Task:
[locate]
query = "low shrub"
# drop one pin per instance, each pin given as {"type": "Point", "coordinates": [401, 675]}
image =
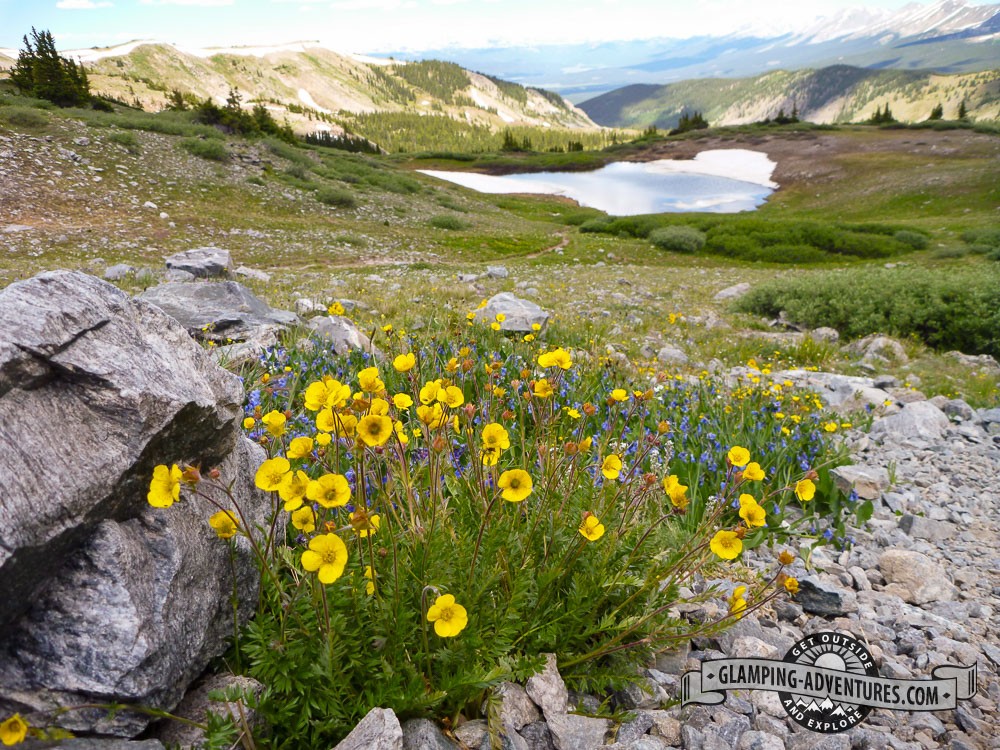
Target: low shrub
{"type": "Point", "coordinates": [126, 139]}
{"type": "Point", "coordinates": [213, 150]}
{"type": "Point", "coordinates": [332, 196]}
{"type": "Point", "coordinates": [440, 523]}
{"type": "Point", "coordinates": [446, 221]}
{"type": "Point", "coordinates": [595, 225]}
{"type": "Point", "coordinates": [959, 309]}
{"type": "Point", "coordinates": [680, 239]}
{"type": "Point", "coordinates": [916, 240]}
{"type": "Point", "coordinates": [27, 118]}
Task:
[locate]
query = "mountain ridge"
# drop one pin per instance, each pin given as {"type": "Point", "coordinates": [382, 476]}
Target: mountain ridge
{"type": "Point", "coordinates": [834, 94]}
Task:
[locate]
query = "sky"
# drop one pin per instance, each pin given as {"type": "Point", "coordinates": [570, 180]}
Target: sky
{"type": "Point", "coordinates": [399, 25]}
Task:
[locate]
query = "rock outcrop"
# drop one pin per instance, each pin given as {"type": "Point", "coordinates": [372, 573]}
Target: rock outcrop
{"type": "Point", "coordinates": [107, 599]}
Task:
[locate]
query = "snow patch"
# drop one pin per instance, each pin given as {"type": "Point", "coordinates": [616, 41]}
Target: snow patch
{"type": "Point", "coordinates": [306, 98]}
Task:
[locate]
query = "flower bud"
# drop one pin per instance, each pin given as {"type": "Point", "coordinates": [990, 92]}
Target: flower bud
{"type": "Point", "coordinates": [191, 475]}
{"type": "Point", "coordinates": [571, 448]}
{"type": "Point", "coordinates": [214, 473]}
{"type": "Point", "coordinates": [439, 444]}
{"type": "Point", "coordinates": [589, 409]}
{"type": "Point", "coordinates": [663, 427]}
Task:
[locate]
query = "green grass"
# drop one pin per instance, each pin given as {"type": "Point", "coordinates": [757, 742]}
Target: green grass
{"type": "Point", "coordinates": [212, 150]}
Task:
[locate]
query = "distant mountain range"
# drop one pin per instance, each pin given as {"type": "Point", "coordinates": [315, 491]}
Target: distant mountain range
{"type": "Point", "coordinates": [947, 37]}
{"type": "Point", "coordinates": [838, 93]}
{"type": "Point", "coordinates": [305, 82]}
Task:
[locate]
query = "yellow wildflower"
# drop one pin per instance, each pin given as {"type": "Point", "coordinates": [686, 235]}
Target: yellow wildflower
{"type": "Point", "coordinates": [330, 490]}
{"type": "Point", "coordinates": [374, 429]}
{"type": "Point", "coordinates": [452, 396]}
{"type": "Point", "coordinates": [335, 309]}
{"type": "Point", "coordinates": [165, 486]}
{"type": "Point", "coordinates": [293, 489]}
{"type": "Point", "coordinates": [328, 393]}
{"type": "Point", "coordinates": [591, 527]}
{"type": "Point", "coordinates": [619, 395]}
{"type": "Point", "coordinates": [248, 423]}
{"type": "Point", "coordinates": [271, 473]}
{"type": "Point", "coordinates": [300, 447]}
{"type": "Point", "coordinates": [516, 485]}
{"type": "Point", "coordinates": [404, 362]}
{"type": "Point", "coordinates": [739, 456]}
{"type": "Point", "coordinates": [556, 358]}
{"type": "Point", "coordinates": [433, 416]}
{"type": "Point", "coordinates": [542, 389]}
{"type": "Point", "coordinates": [402, 401]}
{"type": "Point", "coordinates": [753, 472]}
{"type": "Point", "coordinates": [13, 731]}
{"type": "Point", "coordinates": [369, 380]}
{"type": "Point", "coordinates": [676, 491]}
{"type": "Point", "coordinates": [369, 580]}
{"type": "Point", "coordinates": [611, 466]}
{"type": "Point", "coordinates": [365, 524]}
{"type": "Point", "coordinates": [224, 523]}
{"type": "Point", "coordinates": [327, 556]}
{"type": "Point", "coordinates": [449, 617]}
{"type": "Point", "coordinates": [791, 586]}
{"type": "Point", "coordinates": [726, 544]}
{"type": "Point", "coordinates": [274, 423]}
{"type": "Point", "coordinates": [805, 490]}
{"type": "Point", "coordinates": [304, 519]}
{"type": "Point", "coordinates": [428, 394]}
{"type": "Point", "coordinates": [751, 512]}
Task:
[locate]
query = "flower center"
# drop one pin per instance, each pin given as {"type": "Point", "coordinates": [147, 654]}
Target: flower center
{"type": "Point", "coordinates": [329, 557]}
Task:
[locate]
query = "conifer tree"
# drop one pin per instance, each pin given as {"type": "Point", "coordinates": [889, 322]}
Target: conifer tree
{"type": "Point", "coordinates": [937, 113]}
{"type": "Point", "coordinates": [40, 71]}
{"type": "Point", "coordinates": [963, 113]}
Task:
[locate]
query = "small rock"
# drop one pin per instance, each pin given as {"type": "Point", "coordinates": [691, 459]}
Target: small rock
{"type": "Point", "coordinates": [573, 732]}
{"type": "Point", "coordinates": [520, 314]}
{"type": "Point", "coordinates": [201, 261]}
{"type": "Point", "coordinates": [671, 355]}
{"type": "Point", "coordinates": [868, 481]}
{"type": "Point", "coordinates": [516, 708]}
{"type": "Point", "coordinates": [537, 736]}
{"type": "Point", "coordinates": [253, 273]}
{"type": "Point", "coordinates": [548, 690]}
{"type": "Point", "coordinates": [497, 272]}
{"type": "Point", "coordinates": [914, 577]}
{"type": "Point", "coordinates": [633, 729]}
{"type": "Point", "coordinates": [305, 306]}
{"type": "Point", "coordinates": [118, 272]}
{"type": "Point", "coordinates": [920, 527]}
{"type": "Point", "coordinates": [829, 335]}
{"type": "Point", "coordinates": [732, 292]}
{"type": "Point", "coordinates": [473, 733]}
{"type": "Point", "coordinates": [823, 598]}
{"type": "Point", "coordinates": [755, 740]}
{"type": "Point", "coordinates": [379, 730]}
{"type": "Point", "coordinates": [342, 333]}
{"type": "Point", "coordinates": [423, 734]}
{"type": "Point", "coordinates": [150, 205]}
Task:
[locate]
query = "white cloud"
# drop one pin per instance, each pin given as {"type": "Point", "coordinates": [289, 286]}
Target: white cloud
{"type": "Point", "coordinates": [367, 4]}
{"type": "Point", "coordinates": [207, 3]}
{"type": "Point", "coordinates": [81, 4]}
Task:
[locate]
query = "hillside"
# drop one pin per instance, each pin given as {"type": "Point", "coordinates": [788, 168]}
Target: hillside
{"type": "Point", "coordinates": [838, 93]}
{"type": "Point", "coordinates": [312, 85]}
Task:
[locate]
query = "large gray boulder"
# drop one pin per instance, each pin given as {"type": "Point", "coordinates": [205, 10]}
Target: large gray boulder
{"type": "Point", "coordinates": [920, 420]}
{"type": "Point", "coordinates": [520, 314]}
{"type": "Point", "coordinates": [201, 261]}
{"type": "Point", "coordinates": [107, 599]}
{"type": "Point", "coordinates": [342, 333]}
{"type": "Point", "coordinates": [220, 311]}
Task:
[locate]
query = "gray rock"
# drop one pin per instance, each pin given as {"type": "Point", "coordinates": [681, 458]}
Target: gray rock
{"type": "Point", "coordinates": [879, 348]}
{"type": "Point", "coordinates": [175, 274]}
{"type": "Point", "coordinates": [516, 708]}
{"type": "Point", "coordinates": [423, 734]}
{"type": "Point", "coordinates": [983, 362]}
{"type": "Point", "coordinates": [914, 577]}
{"type": "Point", "coordinates": [197, 704]}
{"type": "Point", "coordinates": [811, 741]}
{"type": "Point", "coordinates": [634, 728]}
{"type": "Point", "coordinates": [573, 732]}
{"type": "Point", "coordinates": [920, 420]}
{"type": "Point", "coordinates": [342, 333]}
{"type": "Point", "coordinates": [118, 271]}
{"type": "Point", "coordinates": [990, 420]}
{"type": "Point", "coordinates": [497, 272]}
{"type": "Point", "coordinates": [203, 262]}
{"type": "Point", "coordinates": [252, 273]}
{"type": "Point", "coordinates": [473, 733]}
{"type": "Point", "coordinates": [732, 292]}
{"type": "Point", "coordinates": [305, 306]}
{"type": "Point", "coordinates": [548, 690]}
{"type": "Point", "coordinates": [520, 314]}
{"type": "Point", "coordinates": [379, 730]}
{"type": "Point", "coordinates": [666, 725]}
{"type": "Point", "coordinates": [956, 408]}
{"type": "Point", "coordinates": [824, 598]}
{"type": "Point", "coordinates": [755, 740]}
{"type": "Point", "coordinates": [749, 647]}
{"type": "Point", "coordinates": [150, 205]}
{"type": "Point", "coordinates": [646, 742]}
{"type": "Point", "coordinates": [537, 736]}
{"type": "Point", "coordinates": [671, 355]}
{"type": "Point", "coordinates": [217, 310]}
{"type": "Point", "coordinates": [920, 527]}
{"type": "Point", "coordinates": [643, 694]}
{"type": "Point", "coordinates": [106, 598]}
{"type": "Point", "coordinates": [868, 481]}
{"type": "Point", "coordinates": [829, 335]}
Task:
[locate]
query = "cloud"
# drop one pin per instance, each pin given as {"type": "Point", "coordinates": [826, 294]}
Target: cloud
{"type": "Point", "coordinates": [366, 4]}
{"type": "Point", "coordinates": [207, 3]}
{"type": "Point", "coordinates": [81, 4]}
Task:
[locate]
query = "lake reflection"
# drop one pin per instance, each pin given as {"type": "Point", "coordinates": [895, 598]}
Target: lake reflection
{"type": "Point", "coordinates": [721, 181]}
